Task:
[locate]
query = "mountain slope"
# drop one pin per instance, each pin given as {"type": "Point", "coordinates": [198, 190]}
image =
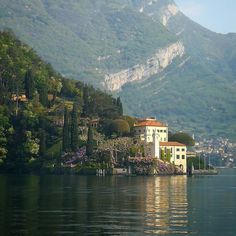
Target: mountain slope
{"type": "Point", "coordinates": [198, 93]}
{"type": "Point", "coordinates": [127, 47]}
{"type": "Point", "coordinates": [85, 37]}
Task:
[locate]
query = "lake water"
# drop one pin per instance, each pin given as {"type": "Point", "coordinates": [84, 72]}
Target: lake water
{"type": "Point", "coordinates": [80, 205]}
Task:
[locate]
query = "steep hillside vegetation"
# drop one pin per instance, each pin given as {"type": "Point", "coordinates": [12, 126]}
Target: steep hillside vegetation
{"type": "Point", "coordinates": [81, 38]}
{"type": "Point", "coordinates": [33, 102]}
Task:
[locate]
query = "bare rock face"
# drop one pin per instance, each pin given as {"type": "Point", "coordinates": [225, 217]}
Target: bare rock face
{"type": "Point", "coordinates": [171, 10]}
{"type": "Point", "coordinates": [154, 65]}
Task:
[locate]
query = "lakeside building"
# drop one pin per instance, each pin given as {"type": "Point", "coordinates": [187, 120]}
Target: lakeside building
{"type": "Point", "coordinates": [144, 130]}
{"type": "Point", "coordinates": [155, 135]}
{"type": "Point", "coordinates": [177, 152]}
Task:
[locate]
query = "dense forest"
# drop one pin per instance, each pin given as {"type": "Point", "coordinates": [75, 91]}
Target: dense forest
{"type": "Point", "coordinates": [44, 116]}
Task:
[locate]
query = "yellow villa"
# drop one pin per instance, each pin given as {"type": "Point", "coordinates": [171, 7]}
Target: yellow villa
{"type": "Point", "coordinates": [177, 153]}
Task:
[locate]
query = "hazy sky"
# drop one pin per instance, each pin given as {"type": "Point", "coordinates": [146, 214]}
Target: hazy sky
{"type": "Point", "coordinates": [216, 15]}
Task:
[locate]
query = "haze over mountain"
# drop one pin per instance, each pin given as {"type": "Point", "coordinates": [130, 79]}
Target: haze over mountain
{"type": "Point", "coordinates": [159, 61]}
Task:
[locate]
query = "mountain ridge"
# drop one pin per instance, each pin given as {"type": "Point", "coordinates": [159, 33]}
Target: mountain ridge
{"type": "Point", "coordinates": [87, 40]}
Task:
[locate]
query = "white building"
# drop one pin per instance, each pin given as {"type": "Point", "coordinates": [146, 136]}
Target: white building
{"type": "Point", "coordinates": [177, 152]}
{"type": "Point", "coordinates": [144, 130]}
{"type": "Point", "coordinates": [155, 133]}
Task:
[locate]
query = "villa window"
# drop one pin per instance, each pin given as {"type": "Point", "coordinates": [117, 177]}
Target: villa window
{"type": "Point", "coordinates": [177, 149]}
{"type": "Point", "coordinates": [164, 131]}
{"type": "Point", "coordinates": [183, 149]}
{"type": "Point", "coordinates": [177, 157]}
{"type": "Point", "coordinates": [183, 156]}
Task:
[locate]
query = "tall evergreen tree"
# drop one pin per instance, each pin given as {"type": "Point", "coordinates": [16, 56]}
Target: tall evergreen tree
{"type": "Point", "coordinates": [42, 144]}
{"type": "Point", "coordinates": [74, 128]}
{"type": "Point", "coordinates": [85, 111]}
{"type": "Point", "coordinates": [29, 84]}
{"type": "Point", "coordinates": [89, 145]}
{"type": "Point", "coordinates": [43, 95]}
{"type": "Point", "coordinates": [120, 106]}
{"type": "Point", "coordinates": [66, 132]}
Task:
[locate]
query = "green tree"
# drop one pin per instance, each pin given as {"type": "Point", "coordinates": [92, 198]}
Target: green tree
{"type": "Point", "coordinates": [182, 138]}
{"type": "Point", "coordinates": [120, 106]}
{"type": "Point", "coordinates": [66, 131]}
{"type": "Point", "coordinates": [85, 111]}
{"type": "Point", "coordinates": [4, 131]}
{"type": "Point", "coordinates": [120, 127]}
{"type": "Point", "coordinates": [29, 84]}
{"type": "Point", "coordinates": [3, 142]}
{"type": "Point", "coordinates": [31, 146]}
{"type": "Point", "coordinates": [74, 128]}
{"type": "Point", "coordinates": [162, 154]}
{"type": "Point", "coordinates": [43, 95]}
{"type": "Point", "coordinates": [168, 155]}
{"type": "Point", "coordinates": [90, 142]}
{"type": "Point", "coordinates": [42, 143]}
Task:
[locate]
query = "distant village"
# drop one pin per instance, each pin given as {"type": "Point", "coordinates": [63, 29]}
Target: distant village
{"type": "Point", "coordinates": [217, 151]}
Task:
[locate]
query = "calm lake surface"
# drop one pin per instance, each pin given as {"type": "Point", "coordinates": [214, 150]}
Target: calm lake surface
{"type": "Point", "coordinates": [80, 205]}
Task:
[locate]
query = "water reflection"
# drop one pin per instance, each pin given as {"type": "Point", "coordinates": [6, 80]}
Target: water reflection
{"type": "Point", "coordinates": [80, 205]}
{"type": "Point", "coordinates": [166, 205]}
{"type": "Point", "coordinates": [52, 205]}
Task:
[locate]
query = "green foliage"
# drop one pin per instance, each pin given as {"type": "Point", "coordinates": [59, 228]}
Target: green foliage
{"type": "Point", "coordinates": [90, 142]}
{"type": "Point", "coordinates": [136, 151]}
{"type": "Point", "coordinates": [42, 144]}
{"type": "Point", "coordinates": [120, 106]}
{"type": "Point", "coordinates": [162, 154]}
{"type": "Point", "coordinates": [165, 154]}
{"type": "Point", "coordinates": [99, 104]}
{"type": "Point", "coordinates": [182, 138]}
{"type": "Point", "coordinates": [112, 38]}
{"type": "Point", "coordinates": [168, 155]}
{"type": "Point", "coordinates": [4, 132]}
{"type": "Point", "coordinates": [43, 95]}
{"type": "Point", "coordinates": [29, 85]}
{"type": "Point", "coordinates": [66, 131]}
{"type": "Point", "coordinates": [36, 130]}
{"type": "Point", "coordinates": [86, 99]}
{"type": "Point", "coordinates": [74, 128]}
{"type": "Point", "coordinates": [119, 127]}
{"type": "Point", "coordinates": [195, 162]}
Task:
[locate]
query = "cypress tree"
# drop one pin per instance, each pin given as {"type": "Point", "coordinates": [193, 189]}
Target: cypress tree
{"type": "Point", "coordinates": [43, 96]}
{"type": "Point", "coordinates": [89, 145]}
{"type": "Point", "coordinates": [66, 132]}
{"type": "Point", "coordinates": [42, 147]}
{"type": "Point", "coordinates": [74, 128]}
{"type": "Point", "coordinates": [120, 106]}
{"type": "Point", "coordinates": [85, 101]}
{"type": "Point", "coordinates": [29, 84]}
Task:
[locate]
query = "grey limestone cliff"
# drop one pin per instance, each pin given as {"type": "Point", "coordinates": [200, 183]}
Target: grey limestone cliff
{"type": "Point", "coordinates": [154, 65]}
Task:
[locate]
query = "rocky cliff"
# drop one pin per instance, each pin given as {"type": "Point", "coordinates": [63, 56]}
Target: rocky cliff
{"type": "Point", "coordinates": [154, 65]}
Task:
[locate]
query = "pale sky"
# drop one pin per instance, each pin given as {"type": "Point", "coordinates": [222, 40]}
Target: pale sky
{"type": "Point", "coordinates": [216, 15]}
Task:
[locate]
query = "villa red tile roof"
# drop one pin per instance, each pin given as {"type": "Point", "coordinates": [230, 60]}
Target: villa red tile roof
{"type": "Point", "coordinates": [155, 123]}
{"type": "Point", "coordinates": [173, 144]}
